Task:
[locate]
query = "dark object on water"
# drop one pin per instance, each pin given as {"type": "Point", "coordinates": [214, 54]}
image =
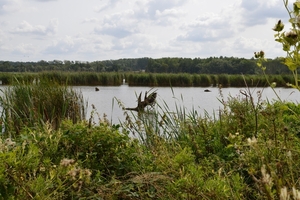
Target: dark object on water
{"type": "Point", "coordinates": [207, 90]}
{"type": "Point", "coordinates": [148, 101]}
{"type": "Point", "coordinates": [96, 89]}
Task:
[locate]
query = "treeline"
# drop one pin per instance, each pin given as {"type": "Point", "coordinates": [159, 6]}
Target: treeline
{"type": "Point", "coordinates": [212, 65]}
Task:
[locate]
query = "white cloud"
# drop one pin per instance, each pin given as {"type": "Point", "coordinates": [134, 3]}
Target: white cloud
{"type": "Point", "coordinates": [118, 25]}
{"type": "Point", "coordinates": [90, 20]}
{"type": "Point", "coordinates": [93, 30]}
{"type": "Point", "coordinates": [108, 5]}
{"type": "Point", "coordinates": [257, 12]}
{"type": "Point", "coordinates": [24, 49]}
{"type": "Point", "coordinates": [210, 27]}
{"type": "Point", "coordinates": [8, 6]}
{"type": "Point", "coordinates": [66, 45]}
{"type": "Point", "coordinates": [26, 28]}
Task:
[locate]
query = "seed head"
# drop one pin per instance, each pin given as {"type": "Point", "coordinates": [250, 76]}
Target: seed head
{"type": "Point", "coordinates": [66, 162]}
{"type": "Point", "coordinates": [278, 26]}
{"type": "Point", "coordinates": [259, 54]}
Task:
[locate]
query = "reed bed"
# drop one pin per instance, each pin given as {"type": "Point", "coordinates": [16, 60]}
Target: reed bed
{"type": "Point", "coordinates": [148, 79]}
{"type": "Point", "coordinates": [35, 104]}
{"type": "Point", "coordinates": [69, 78]}
{"type": "Point", "coordinates": [204, 80]}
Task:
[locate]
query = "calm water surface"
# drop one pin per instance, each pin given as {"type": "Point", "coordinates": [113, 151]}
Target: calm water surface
{"type": "Point", "coordinates": [190, 98]}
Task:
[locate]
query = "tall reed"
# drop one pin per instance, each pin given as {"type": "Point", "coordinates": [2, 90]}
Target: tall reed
{"type": "Point", "coordinates": [34, 104]}
{"type": "Point", "coordinates": [148, 79]}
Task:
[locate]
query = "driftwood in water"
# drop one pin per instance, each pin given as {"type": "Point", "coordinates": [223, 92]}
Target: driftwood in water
{"type": "Point", "coordinates": [148, 101]}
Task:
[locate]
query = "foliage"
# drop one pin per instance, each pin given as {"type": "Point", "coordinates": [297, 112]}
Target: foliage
{"type": "Point", "coordinates": [289, 41]}
{"type": "Point", "coordinates": [250, 150]}
{"type": "Point", "coordinates": [211, 65]}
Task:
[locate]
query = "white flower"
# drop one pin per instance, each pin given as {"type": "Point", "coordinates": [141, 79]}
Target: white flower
{"type": "Point", "coordinates": [252, 141]}
{"type": "Point", "coordinates": [296, 193]}
{"type": "Point", "coordinates": [266, 178]}
{"type": "Point", "coordinates": [289, 154]}
{"type": "Point", "coordinates": [9, 142]}
{"type": "Point", "coordinates": [284, 194]}
{"type": "Point", "coordinates": [66, 162]}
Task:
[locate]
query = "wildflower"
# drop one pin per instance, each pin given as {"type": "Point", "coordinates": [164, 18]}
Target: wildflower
{"type": "Point", "coordinates": [296, 193]}
{"type": "Point", "coordinates": [259, 54]}
{"type": "Point", "coordinates": [266, 178]}
{"type": "Point", "coordinates": [291, 34]}
{"type": "Point", "coordinates": [284, 194]}
{"type": "Point", "coordinates": [87, 172]}
{"type": "Point", "coordinates": [289, 154]}
{"type": "Point", "coordinates": [42, 169]}
{"type": "Point", "coordinates": [291, 37]}
{"type": "Point", "coordinates": [73, 173]}
{"type": "Point", "coordinates": [9, 142]}
{"type": "Point", "coordinates": [66, 162]}
{"type": "Point", "coordinates": [231, 136]}
{"type": "Point", "coordinates": [279, 26]}
{"type": "Point", "coordinates": [252, 141]}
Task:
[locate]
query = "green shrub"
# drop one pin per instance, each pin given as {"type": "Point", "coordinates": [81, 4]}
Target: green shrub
{"type": "Point", "coordinates": [101, 148]}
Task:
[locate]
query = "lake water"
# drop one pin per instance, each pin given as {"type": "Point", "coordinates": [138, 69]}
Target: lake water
{"type": "Point", "coordinates": [190, 98]}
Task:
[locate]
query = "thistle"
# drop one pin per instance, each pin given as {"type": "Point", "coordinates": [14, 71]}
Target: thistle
{"type": "Point", "coordinates": [278, 26]}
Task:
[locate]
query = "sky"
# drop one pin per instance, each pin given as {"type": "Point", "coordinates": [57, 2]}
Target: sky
{"type": "Point", "coordinates": [95, 30]}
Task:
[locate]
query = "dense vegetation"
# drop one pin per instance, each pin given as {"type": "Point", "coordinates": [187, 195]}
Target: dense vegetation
{"type": "Point", "coordinates": [212, 65]}
{"type": "Point", "coordinates": [249, 151]}
{"type": "Point", "coordinates": [147, 79]}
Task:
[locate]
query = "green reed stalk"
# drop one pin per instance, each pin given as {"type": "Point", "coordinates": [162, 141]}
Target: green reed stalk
{"type": "Point", "coordinates": [31, 105]}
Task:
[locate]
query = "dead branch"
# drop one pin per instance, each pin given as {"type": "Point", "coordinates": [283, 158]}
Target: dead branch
{"type": "Point", "coordinates": [148, 101]}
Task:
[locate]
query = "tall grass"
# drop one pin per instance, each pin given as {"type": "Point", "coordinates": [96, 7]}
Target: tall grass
{"type": "Point", "coordinates": [34, 104]}
{"type": "Point", "coordinates": [252, 139]}
{"type": "Point", "coordinates": [147, 79]}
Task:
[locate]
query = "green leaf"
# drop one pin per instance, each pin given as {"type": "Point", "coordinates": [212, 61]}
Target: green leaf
{"type": "Point", "coordinates": [297, 4]}
{"type": "Point", "coordinates": [289, 62]}
{"type": "Point", "coordinates": [286, 47]}
{"type": "Point", "coordinates": [278, 40]}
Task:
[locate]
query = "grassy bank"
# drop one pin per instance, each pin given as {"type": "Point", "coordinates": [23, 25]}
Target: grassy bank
{"type": "Point", "coordinates": [250, 151]}
{"type": "Point", "coordinates": [147, 79]}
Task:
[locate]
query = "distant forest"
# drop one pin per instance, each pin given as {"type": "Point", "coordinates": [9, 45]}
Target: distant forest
{"type": "Point", "coordinates": [212, 65]}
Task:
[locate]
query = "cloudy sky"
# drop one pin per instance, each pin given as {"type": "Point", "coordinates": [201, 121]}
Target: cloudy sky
{"type": "Point", "coordinates": [90, 30]}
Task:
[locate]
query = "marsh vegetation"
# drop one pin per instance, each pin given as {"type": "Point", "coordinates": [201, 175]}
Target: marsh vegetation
{"type": "Point", "coordinates": [148, 79]}
{"type": "Point", "coordinates": [250, 151]}
{"type": "Point", "coordinates": [49, 151]}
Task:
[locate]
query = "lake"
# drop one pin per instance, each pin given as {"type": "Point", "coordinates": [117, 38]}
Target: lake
{"type": "Point", "coordinates": [190, 98]}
